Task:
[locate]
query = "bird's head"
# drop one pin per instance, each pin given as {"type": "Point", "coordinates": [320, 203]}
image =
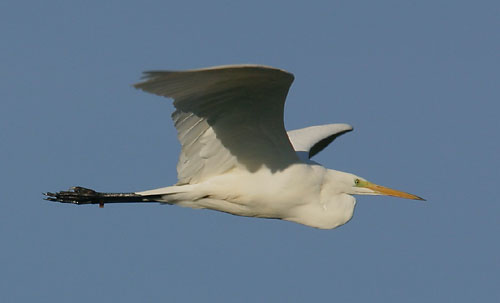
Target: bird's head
{"type": "Point", "coordinates": [354, 185]}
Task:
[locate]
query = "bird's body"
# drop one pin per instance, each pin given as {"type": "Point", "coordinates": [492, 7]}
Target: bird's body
{"type": "Point", "coordinates": [299, 193]}
{"type": "Point", "coordinates": [236, 156]}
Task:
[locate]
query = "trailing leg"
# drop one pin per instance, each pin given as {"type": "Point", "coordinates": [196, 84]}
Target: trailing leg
{"type": "Point", "coordinates": [81, 195]}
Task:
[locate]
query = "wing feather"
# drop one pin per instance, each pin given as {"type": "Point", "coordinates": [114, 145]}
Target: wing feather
{"type": "Point", "coordinates": [309, 141]}
{"type": "Point", "coordinates": [226, 117]}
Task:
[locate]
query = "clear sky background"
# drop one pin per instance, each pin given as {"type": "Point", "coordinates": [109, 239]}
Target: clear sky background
{"type": "Point", "coordinates": [419, 81]}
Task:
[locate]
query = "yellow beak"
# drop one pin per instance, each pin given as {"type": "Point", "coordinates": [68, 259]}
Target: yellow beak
{"type": "Point", "coordinates": [391, 192]}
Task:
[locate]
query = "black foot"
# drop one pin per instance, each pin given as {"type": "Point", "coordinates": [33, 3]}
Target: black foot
{"type": "Point", "coordinates": [75, 195]}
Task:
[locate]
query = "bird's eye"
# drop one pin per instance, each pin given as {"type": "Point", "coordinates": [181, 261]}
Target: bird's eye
{"type": "Point", "coordinates": [356, 181]}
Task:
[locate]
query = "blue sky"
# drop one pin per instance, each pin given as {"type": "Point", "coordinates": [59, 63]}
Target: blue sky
{"type": "Point", "coordinates": [417, 79]}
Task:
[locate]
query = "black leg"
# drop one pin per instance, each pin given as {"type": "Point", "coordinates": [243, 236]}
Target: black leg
{"type": "Point", "coordinates": [81, 195]}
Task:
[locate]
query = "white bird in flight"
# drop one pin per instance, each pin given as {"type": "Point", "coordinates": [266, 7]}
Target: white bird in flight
{"type": "Point", "coordinates": [238, 158]}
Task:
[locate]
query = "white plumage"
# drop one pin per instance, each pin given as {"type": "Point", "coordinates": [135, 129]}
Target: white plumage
{"type": "Point", "coordinates": [236, 156]}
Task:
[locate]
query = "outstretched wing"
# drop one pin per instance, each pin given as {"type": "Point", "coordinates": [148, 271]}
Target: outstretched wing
{"type": "Point", "coordinates": [309, 141]}
{"type": "Point", "coordinates": [226, 117]}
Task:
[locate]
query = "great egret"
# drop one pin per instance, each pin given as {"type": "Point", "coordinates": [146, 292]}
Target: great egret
{"type": "Point", "coordinates": [236, 155]}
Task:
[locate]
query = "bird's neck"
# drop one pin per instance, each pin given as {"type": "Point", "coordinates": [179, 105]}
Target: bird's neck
{"type": "Point", "coordinates": [332, 207]}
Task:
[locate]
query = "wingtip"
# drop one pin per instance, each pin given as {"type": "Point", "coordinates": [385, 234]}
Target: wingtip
{"type": "Point", "coordinates": [347, 127]}
{"type": "Point", "coordinates": [145, 77]}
